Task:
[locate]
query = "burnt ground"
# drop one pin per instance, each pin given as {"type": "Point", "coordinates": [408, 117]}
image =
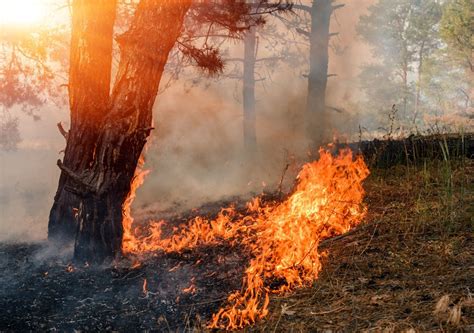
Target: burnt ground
{"type": "Point", "coordinates": [52, 294]}
{"type": "Point", "coordinates": [389, 274]}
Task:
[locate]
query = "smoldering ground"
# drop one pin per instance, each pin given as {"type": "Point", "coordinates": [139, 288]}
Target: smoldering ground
{"type": "Point", "coordinates": [43, 291]}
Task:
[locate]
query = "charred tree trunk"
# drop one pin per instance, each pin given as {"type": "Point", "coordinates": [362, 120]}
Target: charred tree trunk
{"type": "Point", "coordinates": [317, 118]}
{"type": "Point", "coordinates": [103, 183]}
{"type": "Point", "coordinates": [248, 92]}
{"type": "Point", "coordinates": [89, 85]}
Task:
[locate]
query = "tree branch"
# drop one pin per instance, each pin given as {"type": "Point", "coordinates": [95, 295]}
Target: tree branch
{"type": "Point", "coordinates": [335, 109]}
{"type": "Point", "coordinates": [302, 7]}
{"type": "Point", "coordinates": [79, 179]}
{"type": "Point", "coordinates": [336, 7]}
{"type": "Point", "coordinates": [302, 32]}
{"type": "Point", "coordinates": [63, 132]}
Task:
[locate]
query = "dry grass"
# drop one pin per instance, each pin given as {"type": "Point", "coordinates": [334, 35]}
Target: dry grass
{"type": "Point", "coordinates": [410, 268]}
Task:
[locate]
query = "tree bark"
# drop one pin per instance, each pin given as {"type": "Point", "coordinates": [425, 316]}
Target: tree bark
{"type": "Point", "coordinates": [248, 92]}
{"type": "Point", "coordinates": [317, 118]}
{"type": "Point", "coordinates": [144, 52]}
{"type": "Point", "coordinates": [89, 85]}
{"type": "Point", "coordinates": [108, 132]}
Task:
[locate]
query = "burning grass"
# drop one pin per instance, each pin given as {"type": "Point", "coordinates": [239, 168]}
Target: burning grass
{"type": "Point", "coordinates": [282, 238]}
{"type": "Point", "coordinates": [408, 269]}
{"type": "Point", "coordinates": [393, 272]}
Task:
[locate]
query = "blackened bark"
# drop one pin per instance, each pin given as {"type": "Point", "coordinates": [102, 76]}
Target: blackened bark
{"type": "Point", "coordinates": [106, 183]}
{"type": "Point", "coordinates": [317, 118]}
{"type": "Point", "coordinates": [89, 85]}
{"type": "Point", "coordinates": [248, 92]}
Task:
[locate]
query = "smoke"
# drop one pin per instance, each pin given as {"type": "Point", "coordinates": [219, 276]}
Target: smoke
{"type": "Point", "coordinates": [196, 153]}
{"type": "Point", "coordinates": [26, 191]}
{"type": "Point", "coordinates": [347, 54]}
{"type": "Point", "coordinates": [28, 177]}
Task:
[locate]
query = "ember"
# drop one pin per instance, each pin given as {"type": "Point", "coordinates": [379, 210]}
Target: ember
{"type": "Point", "coordinates": [282, 237]}
{"type": "Point", "coordinates": [191, 289]}
{"type": "Point", "coordinates": [144, 288]}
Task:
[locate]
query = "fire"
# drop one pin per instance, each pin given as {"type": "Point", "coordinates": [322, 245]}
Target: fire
{"type": "Point", "coordinates": [282, 237]}
{"type": "Point", "coordinates": [129, 238]}
{"type": "Point", "coordinates": [144, 288]}
{"type": "Point", "coordinates": [191, 289]}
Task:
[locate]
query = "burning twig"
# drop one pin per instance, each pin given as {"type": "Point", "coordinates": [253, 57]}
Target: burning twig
{"type": "Point", "coordinates": [280, 185]}
{"type": "Point", "coordinates": [191, 289]}
{"type": "Point", "coordinates": [144, 288]}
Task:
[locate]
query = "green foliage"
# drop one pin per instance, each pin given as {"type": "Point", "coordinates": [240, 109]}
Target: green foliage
{"type": "Point", "coordinates": [445, 86]}
{"type": "Point", "coordinates": [457, 30]}
{"type": "Point", "coordinates": [447, 79]}
{"type": "Point", "coordinates": [413, 68]}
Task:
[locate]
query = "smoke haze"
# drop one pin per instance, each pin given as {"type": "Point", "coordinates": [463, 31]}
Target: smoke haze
{"type": "Point", "coordinates": [196, 151]}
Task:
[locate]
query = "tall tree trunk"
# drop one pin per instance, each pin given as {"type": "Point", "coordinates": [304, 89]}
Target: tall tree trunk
{"type": "Point", "coordinates": [418, 84]}
{"type": "Point", "coordinates": [248, 92]}
{"type": "Point", "coordinates": [89, 86]}
{"type": "Point", "coordinates": [317, 118]}
{"type": "Point", "coordinates": [404, 74]}
{"type": "Point", "coordinates": [104, 183]}
{"type": "Point", "coordinates": [405, 92]}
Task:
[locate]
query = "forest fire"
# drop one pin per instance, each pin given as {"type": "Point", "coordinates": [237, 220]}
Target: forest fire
{"type": "Point", "coordinates": [282, 237]}
{"type": "Point", "coordinates": [233, 94]}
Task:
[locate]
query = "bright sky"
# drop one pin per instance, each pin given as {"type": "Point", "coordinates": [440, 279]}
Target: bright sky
{"type": "Point", "coordinates": [22, 12]}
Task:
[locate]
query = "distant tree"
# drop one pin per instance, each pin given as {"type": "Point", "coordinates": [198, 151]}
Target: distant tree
{"type": "Point", "coordinates": [33, 62]}
{"type": "Point", "coordinates": [402, 34]}
{"type": "Point", "coordinates": [313, 23]}
{"type": "Point", "coordinates": [456, 30]}
{"type": "Point", "coordinates": [448, 79]}
{"type": "Point", "coordinates": [423, 34]}
{"type": "Point", "coordinates": [253, 67]}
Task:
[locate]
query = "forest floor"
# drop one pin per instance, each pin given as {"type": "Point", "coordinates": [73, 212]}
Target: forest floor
{"type": "Point", "coordinates": [408, 267]}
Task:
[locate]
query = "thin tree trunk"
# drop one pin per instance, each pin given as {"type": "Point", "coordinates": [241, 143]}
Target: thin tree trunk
{"type": "Point", "coordinates": [317, 118]}
{"type": "Point", "coordinates": [405, 82]}
{"type": "Point", "coordinates": [89, 85]}
{"type": "Point", "coordinates": [248, 92]}
{"type": "Point", "coordinates": [418, 85]}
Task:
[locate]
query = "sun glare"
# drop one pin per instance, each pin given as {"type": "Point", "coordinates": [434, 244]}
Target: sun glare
{"type": "Point", "coordinates": [22, 12]}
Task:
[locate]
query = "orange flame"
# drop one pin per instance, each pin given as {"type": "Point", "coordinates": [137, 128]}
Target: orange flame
{"type": "Point", "coordinates": [144, 287]}
{"type": "Point", "coordinates": [129, 238]}
{"type": "Point", "coordinates": [191, 289]}
{"type": "Point", "coordinates": [283, 238]}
